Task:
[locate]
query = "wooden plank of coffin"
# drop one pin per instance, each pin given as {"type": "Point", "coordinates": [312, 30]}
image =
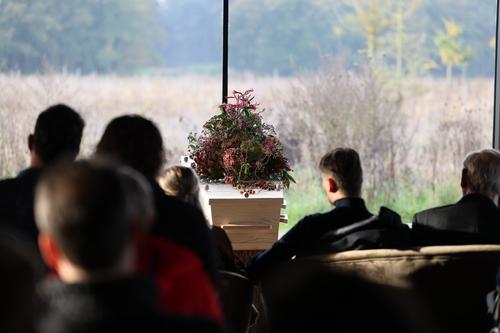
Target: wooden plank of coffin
{"type": "Point", "coordinates": [253, 211]}
{"type": "Point", "coordinates": [251, 236]}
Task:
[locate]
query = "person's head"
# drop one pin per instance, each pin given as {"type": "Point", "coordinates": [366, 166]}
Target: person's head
{"type": "Point", "coordinates": [181, 182]}
{"type": "Point", "coordinates": [80, 210]}
{"type": "Point", "coordinates": [57, 135]}
{"type": "Point", "coordinates": [134, 141]}
{"type": "Point", "coordinates": [341, 173]}
{"type": "Point", "coordinates": [481, 173]}
{"type": "Point", "coordinates": [140, 202]}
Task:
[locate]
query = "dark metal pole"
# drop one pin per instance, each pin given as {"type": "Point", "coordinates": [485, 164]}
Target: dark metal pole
{"type": "Point", "coordinates": [496, 112]}
{"type": "Point", "coordinates": [225, 50]}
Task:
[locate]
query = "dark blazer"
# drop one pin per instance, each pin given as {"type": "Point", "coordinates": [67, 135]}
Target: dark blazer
{"type": "Point", "coordinates": [16, 204]}
{"type": "Point", "coordinates": [475, 219]}
{"type": "Point", "coordinates": [349, 226]}
{"type": "Point", "coordinates": [184, 224]}
{"type": "Point", "coordinates": [121, 305]}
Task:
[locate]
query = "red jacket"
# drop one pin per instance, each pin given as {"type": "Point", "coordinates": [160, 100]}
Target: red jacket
{"type": "Point", "coordinates": [184, 286]}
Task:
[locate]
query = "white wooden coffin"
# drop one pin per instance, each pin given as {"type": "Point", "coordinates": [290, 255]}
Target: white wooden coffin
{"type": "Point", "coordinates": [251, 223]}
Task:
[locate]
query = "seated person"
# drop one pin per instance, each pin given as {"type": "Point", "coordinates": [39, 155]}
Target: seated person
{"type": "Point", "coordinates": [349, 226]}
{"type": "Point", "coordinates": [475, 218]}
{"type": "Point", "coordinates": [85, 236]}
{"type": "Point", "coordinates": [183, 285]}
{"type": "Point", "coordinates": [137, 143]}
{"type": "Point", "coordinates": [57, 136]}
{"type": "Point", "coordinates": [183, 183]}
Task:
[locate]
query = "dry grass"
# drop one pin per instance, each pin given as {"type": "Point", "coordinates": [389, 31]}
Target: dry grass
{"type": "Point", "coordinates": [180, 105]}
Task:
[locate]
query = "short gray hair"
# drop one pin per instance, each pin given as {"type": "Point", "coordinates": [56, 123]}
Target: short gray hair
{"type": "Point", "coordinates": [483, 171]}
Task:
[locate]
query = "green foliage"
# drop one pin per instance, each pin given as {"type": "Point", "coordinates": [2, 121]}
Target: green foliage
{"type": "Point", "coordinates": [452, 50]}
{"type": "Point", "coordinates": [79, 35]}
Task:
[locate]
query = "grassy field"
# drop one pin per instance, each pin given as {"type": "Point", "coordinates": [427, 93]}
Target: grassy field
{"type": "Point", "coordinates": [442, 122]}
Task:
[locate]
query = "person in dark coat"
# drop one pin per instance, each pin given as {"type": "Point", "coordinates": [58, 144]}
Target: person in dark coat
{"type": "Point", "coordinates": [475, 218]}
{"type": "Point", "coordinates": [183, 183]}
{"type": "Point", "coordinates": [57, 136]}
{"type": "Point", "coordinates": [86, 237]}
{"type": "Point", "coordinates": [136, 142]}
{"type": "Point", "coordinates": [349, 226]}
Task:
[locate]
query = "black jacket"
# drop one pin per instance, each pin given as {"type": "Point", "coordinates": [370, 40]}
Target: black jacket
{"type": "Point", "coordinates": [16, 204]}
{"type": "Point", "coordinates": [475, 219]}
{"type": "Point", "coordinates": [350, 226]}
{"type": "Point", "coordinates": [123, 305]}
{"type": "Point", "coordinates": [184, 224]}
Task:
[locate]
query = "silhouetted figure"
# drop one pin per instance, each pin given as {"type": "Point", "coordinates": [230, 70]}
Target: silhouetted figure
{"type": "Point", "coordinates": [86, 237]}
{"type": "Point", "coordinates": [183, 183]}
{"type": "Point", "coordinates": [184, 287]}
{"type": "Point", "coordinates": [136, 142]}
{"type": "Point", "coordinates": [57, 136]}
{"type": "Point", "coordinates": [349, 226]}
{"type": "Point", "coordinates": [475, 218]}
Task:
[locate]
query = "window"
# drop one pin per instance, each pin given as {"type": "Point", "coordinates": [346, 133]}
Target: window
{"type": "Point", "coordinates": [106, 58]}
{"type": "Point", "coordinates": [407, 83]}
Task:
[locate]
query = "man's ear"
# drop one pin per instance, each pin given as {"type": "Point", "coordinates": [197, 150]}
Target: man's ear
{"type": "Point", "coordinates": [49, 250]}
{"type": "Point", "coordinates": [333, 185]}
{"type": "Point", "coordinates": [31, 142]}
{"type": "Point", "coordinates": [463, 181]}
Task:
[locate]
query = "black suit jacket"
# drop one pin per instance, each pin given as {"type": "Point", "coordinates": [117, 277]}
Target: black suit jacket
{"type": "Point", "coordinates": [475, 219]}
{"type": "Point", "coordinates": [184, 224]}
{"type": "Point", "coordinates": [350, 226]}
{"type": "Point", "coordinates": [16, 204]}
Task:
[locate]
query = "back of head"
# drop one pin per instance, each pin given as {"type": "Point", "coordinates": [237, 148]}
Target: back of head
{"type": "Point", "coordinates": [139, 197]}
{"type": "Point", "coordinates": [18, 277]}
{"type": "Point", "coordinates": [345, 167]}
{"type": "Point", "coordinates": [482, 172]}
{"type": "Point", "coordinates": [82, 207]}
{"type": "Point", "coordinates": [181, 182]}
{"type": "Point", "coordinates": [134, 141]}
{"type": "Point", "coordinates": [58, 133]}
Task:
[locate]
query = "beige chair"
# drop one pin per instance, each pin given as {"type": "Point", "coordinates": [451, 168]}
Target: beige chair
{"type": "Point", "coordinates": [451, 280]}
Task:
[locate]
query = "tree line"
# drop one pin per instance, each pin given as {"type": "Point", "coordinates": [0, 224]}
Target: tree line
{"type": "Point", "coordinates": [409, 37]}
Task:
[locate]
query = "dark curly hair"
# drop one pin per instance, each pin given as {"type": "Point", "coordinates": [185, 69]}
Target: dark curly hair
{"type": "Point", "coordinates": [134, 141]}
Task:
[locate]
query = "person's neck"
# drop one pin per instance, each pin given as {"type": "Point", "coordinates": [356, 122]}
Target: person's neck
{"type": "Point", "coordinates": [492, 197]}
{"type": "Point", "coordinates": [36, 162]}
{"type": "Point", "coordinates": [70, 273]}
{"type": "Point", "coordinates": [334, 197]}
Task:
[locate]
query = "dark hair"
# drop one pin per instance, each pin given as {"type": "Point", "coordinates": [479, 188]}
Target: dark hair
{"type": "Point", "coordinates": [135, 141]}
{"type": "Point", "coordinates": [83, 208]}
{"type": "Point", "coordinates": [58, 133]}
{"type": "Point", "coordinates": [345, 167]}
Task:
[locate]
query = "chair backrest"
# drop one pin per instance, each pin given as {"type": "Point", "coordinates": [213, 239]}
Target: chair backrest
{"type": "Point", "coordinates": [236, 295]}
{"type": "Point", "coordinates": [452, 280]}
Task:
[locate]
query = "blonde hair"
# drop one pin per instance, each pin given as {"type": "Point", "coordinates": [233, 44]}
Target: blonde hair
{"type": "Point", "coordinates": [181, 182]}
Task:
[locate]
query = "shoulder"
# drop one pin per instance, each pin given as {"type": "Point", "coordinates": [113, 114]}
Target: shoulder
{"type": "Point", "coordinates": [424, 216]}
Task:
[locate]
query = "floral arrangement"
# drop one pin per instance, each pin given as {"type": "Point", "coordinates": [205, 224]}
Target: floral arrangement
{"type": "Point", "coordinates": [238, 148]}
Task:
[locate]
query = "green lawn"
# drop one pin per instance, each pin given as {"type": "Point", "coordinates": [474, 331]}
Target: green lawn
{"type": "Point", "coordinates": [307, 197]}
